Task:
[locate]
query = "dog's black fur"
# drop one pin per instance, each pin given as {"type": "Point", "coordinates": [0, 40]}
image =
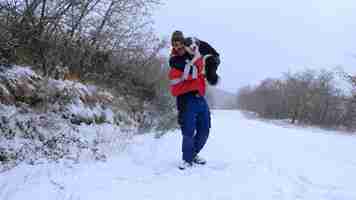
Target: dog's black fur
{"type": "Point", "coordinates": [211, 65]}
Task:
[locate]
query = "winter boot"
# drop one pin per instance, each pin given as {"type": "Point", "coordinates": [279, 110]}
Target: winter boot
{"type": "Point", "coordinates": [184, 165]}
{"type": "Point", "coordinates": [199, 160]}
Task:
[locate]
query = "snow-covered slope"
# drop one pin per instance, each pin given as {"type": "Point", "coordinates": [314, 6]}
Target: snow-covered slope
{"type": "Point", "coordinates": [247, 159]}
{"type": "Point", "coordinates": [44, 120]}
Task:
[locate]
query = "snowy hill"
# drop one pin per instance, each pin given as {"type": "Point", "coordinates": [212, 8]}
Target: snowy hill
{"type": "Point", "coordinates": [247, 159]}
{"type": "Point", "coordinates": [44, 120]}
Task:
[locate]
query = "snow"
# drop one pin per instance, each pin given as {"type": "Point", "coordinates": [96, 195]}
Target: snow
{"type": "Point", "coordinates": [9, 110]}
{"type": "Point", "coordinates": [19, 71]}
{"type": "Point", "coordinates": [247, 159]}
{"type": "Point", "coordinates": [69, 120]}
{"type": "Point", "coordinates": [27, 137]}
{"type": "Point", "coordinates": [78, 89]}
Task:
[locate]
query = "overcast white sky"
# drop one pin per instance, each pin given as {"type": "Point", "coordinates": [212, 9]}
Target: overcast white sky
{"type": "Point", "coordinates": [259, 39]}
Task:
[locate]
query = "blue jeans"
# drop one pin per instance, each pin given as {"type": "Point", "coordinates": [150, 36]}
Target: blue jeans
{"type": "Point", "coordinates": [194, 120]}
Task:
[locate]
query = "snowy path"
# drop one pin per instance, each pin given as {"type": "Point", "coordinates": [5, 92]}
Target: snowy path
{"type": "Point", "coordinates": [247, 159]}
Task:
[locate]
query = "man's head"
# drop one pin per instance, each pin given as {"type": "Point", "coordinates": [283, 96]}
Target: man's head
{"type": "Point", "coordinates": [177, 41]}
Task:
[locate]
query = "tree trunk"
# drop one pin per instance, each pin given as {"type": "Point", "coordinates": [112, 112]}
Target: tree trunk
{"type": "Point", "coordinates": [103, 22]}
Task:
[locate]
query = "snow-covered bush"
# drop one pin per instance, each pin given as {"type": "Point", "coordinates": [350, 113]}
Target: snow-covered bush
{"type": "Point", "coordinates": [46, 120]}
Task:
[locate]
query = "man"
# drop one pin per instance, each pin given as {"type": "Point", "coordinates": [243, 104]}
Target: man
{"type": "Point", "coordinates": [188, 85]}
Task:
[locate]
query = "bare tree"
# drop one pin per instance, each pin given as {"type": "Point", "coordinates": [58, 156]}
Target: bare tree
{"type": "Point", "coordinates": [309, 97]}
{"type": "Point", "coordinates": [107, 42]}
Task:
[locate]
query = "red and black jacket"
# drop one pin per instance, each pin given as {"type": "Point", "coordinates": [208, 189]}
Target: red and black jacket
{"type": "Point", "coordinates": [186, 78]}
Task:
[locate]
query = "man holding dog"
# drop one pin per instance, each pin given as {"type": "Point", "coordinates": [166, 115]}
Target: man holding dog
{"type": "Point", "coordinates": [192, 61]}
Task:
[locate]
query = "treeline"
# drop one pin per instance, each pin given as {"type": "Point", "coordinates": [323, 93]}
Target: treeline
{"type": "Point", "coordinates": [308, 97]}
{"type": "Point", "coordinates": [106, 42]}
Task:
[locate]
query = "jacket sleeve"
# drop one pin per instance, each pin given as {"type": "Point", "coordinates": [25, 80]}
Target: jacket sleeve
{"type": "Point", "coordinates": [177, 63]}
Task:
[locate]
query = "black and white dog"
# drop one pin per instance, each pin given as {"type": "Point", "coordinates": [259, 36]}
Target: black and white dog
{"type": "Point", "coordinates": [210, 55]}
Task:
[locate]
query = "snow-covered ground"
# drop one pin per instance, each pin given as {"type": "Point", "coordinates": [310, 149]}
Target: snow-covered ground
{"type": "Point", "coordinates": [247, 159]}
